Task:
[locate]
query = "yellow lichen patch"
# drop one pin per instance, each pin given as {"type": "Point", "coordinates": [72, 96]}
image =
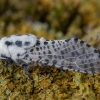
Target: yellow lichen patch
{"type": "Point", "coordinates": [10, 86]}
{"type": "Point", "coordinates": [44, 83]}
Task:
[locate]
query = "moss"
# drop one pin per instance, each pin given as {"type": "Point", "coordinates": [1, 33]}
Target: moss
{"type": "Point", "coordinates": [16, 85]}
{"type": "Point", "coordinates": [48, 19]}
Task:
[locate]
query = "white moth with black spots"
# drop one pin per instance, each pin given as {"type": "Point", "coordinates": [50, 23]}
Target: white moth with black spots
{"type": "Point", "coordinates": [28, 51]}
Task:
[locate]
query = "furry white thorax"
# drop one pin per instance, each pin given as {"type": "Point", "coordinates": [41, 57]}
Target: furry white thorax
{"type": "Point", "coordinates": [13, 50]}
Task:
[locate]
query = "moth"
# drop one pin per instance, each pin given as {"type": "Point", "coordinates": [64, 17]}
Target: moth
{"type": "Point", "coordinates": [28, 51]}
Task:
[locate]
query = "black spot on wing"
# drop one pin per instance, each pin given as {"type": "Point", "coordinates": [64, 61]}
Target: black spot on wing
{"type": "Point", "coordinates": [55, 56]}
{"type": "Point", "coordinates": [62, 52]}
{"type": "Point", "coordinates": [59, 57]}
{"type": "Point", "coordinates": [44, 52]}
{"type": "Point", "coordinates": [37, 48]}
{"type": "Point", "coordinates": [39, 53]}
{"type": "Point", "coordinates": [48, 47]}
{"type": "Point", "coordinates": [40, 57]}
{"type": "Point", "coordinates": [8, 43]}
{"type": "Point", "coordinates": [31, 50]}
{"type": "Point", "coordinates": [85, 66]}
{"type": "Point", "coordinates": [95, 51]}
{"type": "Point", "coordinates": [81, 42]}
{"type": "Point", "coordinates": [18, 54]}
{"type": "Point", "coordinates": [62, 57]}
{"type": "Point", "coordinates": [44, 47]}
{"type": "Point", "coordinates": [50, 56]}
{"type": "Point", "coordinates": [38, 43]}
{"type": "Point", "coordinates": [70, 67]}
{"type": "Point", "coordinates": [45, 43]}
{"type": "Point", "coordinates": [73, 54]}
{"type": "Point", "coordinates": [53, 42]}
{"type": "Point", "coordinates": [30, 59]}
{"type": "Point", "coordinates": [88, 45]}
{"type": "Point", "coordinates": [3, 55]}
{"type": "Point", "coordinates": [91, 64]}
{"type": "Point", "coordinates": [54, 61]}
{"type": "Point", "coordinates": [27, 43]}
{"type": "Point", "coordinates": [46, 62]}
{"type": "Point", "coordinates": [49, 52]}
{"type": "Point", "coordinates": [18, 43]}
{"type": "Point", "coordinates": [55, 50]}
{"type": "Point", "coordinates": [73, 47]}
{"type": "Point", "coordinates": [26, 55]}
{"type": "Point", "coordinates": [67, 40]}
{"type": "Point", "coordinates": [41, 48]}
{"type": "Point", "coordinates": [75, 39]}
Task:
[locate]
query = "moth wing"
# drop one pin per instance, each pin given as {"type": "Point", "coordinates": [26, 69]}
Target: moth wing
{"type": "Point", "coordinates": [71, 54]}
{"type": "Point", "coordinates": [74, 54]}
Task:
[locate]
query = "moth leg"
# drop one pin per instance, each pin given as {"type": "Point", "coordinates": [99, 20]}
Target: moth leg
{"type": "Point", "coordinates": [24, 66]}
{"type": "Point", "coordinates": [50, 73]}
{"type": "Point", "coordinates": [9, 62]}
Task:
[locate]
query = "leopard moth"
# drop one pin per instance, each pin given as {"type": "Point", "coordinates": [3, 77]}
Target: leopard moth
{"type": "Point", "coordinates": [28, 51]}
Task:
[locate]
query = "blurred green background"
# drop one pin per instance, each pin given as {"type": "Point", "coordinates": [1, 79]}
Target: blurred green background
{"type": "Point", "coordinates": [51, 19]}
{"type": "Point", "coordinates": [61, 18]}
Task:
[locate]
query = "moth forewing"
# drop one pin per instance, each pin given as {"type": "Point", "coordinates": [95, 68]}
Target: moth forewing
{"type": "Point", "coordinates": [72, 54]}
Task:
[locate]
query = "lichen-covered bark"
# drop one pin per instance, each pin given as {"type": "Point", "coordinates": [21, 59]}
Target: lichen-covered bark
{"type": "Point", "coordinates": [63, 19]}
{"type": "Point", "coordinates": [14, 84]}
